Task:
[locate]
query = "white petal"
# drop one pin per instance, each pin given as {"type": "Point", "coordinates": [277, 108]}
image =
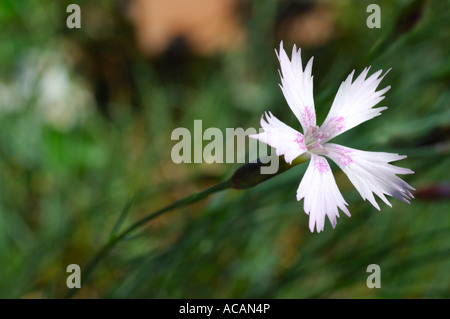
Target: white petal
{"type": "Point", "coordinates": [321, 194]}
{"type": "Point", "coordinates": [354, 103]}
{"type": "Point", "coordinates": [370, 173]}
{"type": "Point", "coordinates": [297, 86]}
{"type": "Point", "coordinates": [283, 138]}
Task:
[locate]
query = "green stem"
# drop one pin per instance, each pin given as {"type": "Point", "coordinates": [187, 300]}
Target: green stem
{"type": "Point", "coordinates": [115, 239]}
{"type": "Point", "coordinates": [179, 203]}
{"type": "Point", "coordinates": [247, 176]}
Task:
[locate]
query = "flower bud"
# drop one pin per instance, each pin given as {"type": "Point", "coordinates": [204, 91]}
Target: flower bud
{"type": "Point", "coordinates": [250, 174]}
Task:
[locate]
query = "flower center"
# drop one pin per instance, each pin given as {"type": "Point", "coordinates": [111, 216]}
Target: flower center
{"type": "Point", "coordinates": [313, 139]}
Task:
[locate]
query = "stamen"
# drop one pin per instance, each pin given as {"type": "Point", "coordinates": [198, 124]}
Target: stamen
{"type": "Point", "coordinates": [300, 140]}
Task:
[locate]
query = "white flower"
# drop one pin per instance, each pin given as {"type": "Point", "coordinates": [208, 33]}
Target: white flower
{"type": "Point", "coordinates": [370, 172]}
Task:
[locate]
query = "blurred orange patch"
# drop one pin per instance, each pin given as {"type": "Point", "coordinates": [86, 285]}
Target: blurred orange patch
{"type": "Point", "coordinates": [206, 26]}
{"type": "Point", "coordinates": [311, 29]}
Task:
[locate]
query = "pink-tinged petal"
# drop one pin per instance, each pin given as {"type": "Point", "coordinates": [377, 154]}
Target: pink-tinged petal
{"type": "Point", "coordinates": [371, 173]}
{"type": "Point", "coordinates": [283, 138]}
{"type": "Point", "coordinates": [297, 86]}
{"type": "Point", "coordinates": [354, 103]}
{"type": "Point", "coordinates": [321, 194]}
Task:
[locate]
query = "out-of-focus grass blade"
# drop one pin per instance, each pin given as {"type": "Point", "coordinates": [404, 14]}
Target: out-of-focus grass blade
{"type": "Point", "coordinates": [140, 234]}
{"type": "Point", "coordinates": [121, 218]}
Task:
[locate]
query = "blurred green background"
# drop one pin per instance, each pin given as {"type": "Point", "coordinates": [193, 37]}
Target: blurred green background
{"type": "Point", "coordinates": [86, 117]}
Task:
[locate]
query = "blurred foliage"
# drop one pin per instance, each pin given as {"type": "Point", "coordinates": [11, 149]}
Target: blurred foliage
{"type": "Point", "coordinates": [85, 125]}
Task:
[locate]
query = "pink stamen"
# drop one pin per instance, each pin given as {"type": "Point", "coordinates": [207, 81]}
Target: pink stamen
{"type": "Point", "coordinates": [300, 140]}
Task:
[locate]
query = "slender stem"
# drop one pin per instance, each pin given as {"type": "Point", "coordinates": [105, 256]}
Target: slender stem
{"type": "Point", "coordinates": [179, 203]}
{"type": "Point", "coordinates": [246, 176]}
{"type": "Point", "coordinates": [115, 239]}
